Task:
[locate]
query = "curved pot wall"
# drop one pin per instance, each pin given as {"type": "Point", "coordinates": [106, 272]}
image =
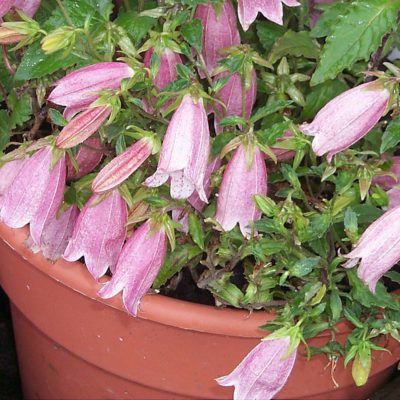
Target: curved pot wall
{"type": "Point", "coordinates": [72, 344]}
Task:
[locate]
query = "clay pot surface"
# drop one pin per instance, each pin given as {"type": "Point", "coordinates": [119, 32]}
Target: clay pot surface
{"type": "Point", "coordinates": [71, 344]}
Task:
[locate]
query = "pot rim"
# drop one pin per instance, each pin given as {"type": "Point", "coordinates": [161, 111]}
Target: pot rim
{"type": "Point", "coordinates": [154, 307]}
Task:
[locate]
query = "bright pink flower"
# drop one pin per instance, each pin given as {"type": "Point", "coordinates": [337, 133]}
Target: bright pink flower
{"type": "Point", "coordinates": [231, 95]}
{"type": "Point", "coordinates": [88, 157]}
{"type": "Point", "coordinates": [271, 9]}
{"type": "Point", "coordinates": [56, 234]}
{"type": "Point", "coordinates": [81, 87]}
{"type": "Point", "coordinates": [219, 31]}
{"type": "Point", "coordinates": [185, 151]}
{"type": "Point", "coordinates": [138, 265]}
{"type": "Point", "coordinates": [82, 127]}
{"type": "Point", "coordinates": [50, 201]}
{"type": "Point", "coordinates": [347, 118]}
{"type": "Point", "coordinates": [35, 179]}
{"type": "Point", "coordinates": [167, 71]}
{"type": "Point", "coordinates": [8, 172]}
{"type": "Point", "coordinates": [122, 167]}
{"type": "Point", "coordinates": [263, 372]}
{"type": "Point", "coordinates": [29, 7]}
{"type": "Point", "coordinates": [378, 248]}
{"type": "Point", "coordinates": [240, 183]}
{"type": "Point", "coordinates": [99, 233]}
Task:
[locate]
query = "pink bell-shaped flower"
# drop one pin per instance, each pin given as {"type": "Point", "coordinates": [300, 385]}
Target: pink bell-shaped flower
{"type": "Point", "coordinates": [263, 372]}
{"type": "Point", "coordinates": [138, 265]}
{"type": "Point", "coordinates": [378, 249]}
{"type": "Point", "coordinates": [29, 7]}
{"type": "Point", "coordinates": [82, 127]}
{"type": "Point", "coordinates": [231, 95]}
{"type": "Point", "coordinates": [271, 9]}
{"type": "Point", "coordinates": [240, 183]}
{"type": "Point", "coordinates": [8, 172]}
{"type": "Point", "coordinates": [347, 118]}
{"type": "Point", "coordinates": [99, 233]}
{"type": "Point", "coordinates": [35, 180]}
{"type": "Point", "coordinates": [185, 151]}
{"type": "Point", "coordinates": [56, 234]}
{"type": "Point", "coordinates": [120, 168]}
{"type": "Point", "coordinates": [81, 87]}
{"type": "Point", "coordinates": [88, 157]}
{"type": "Point", "coordinates": [219, 31]}
{"type": "Point", "coordinates": [391, 183]}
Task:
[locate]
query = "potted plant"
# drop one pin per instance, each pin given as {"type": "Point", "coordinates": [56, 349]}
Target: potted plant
{"type": "Point", "coordinates": [230, 168]}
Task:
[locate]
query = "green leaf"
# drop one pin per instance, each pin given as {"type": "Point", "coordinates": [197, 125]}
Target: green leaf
{"type": "Point", "coordinates": [391, 136]}
{"type": "Point", "coordinates": [193, 34]}
{"type": "Point", "coordinates": [268, 32]}
{"type": "Point", "coordinates": [5, 129]}
{"type": "Point", "coordinates": [295, 44]}
{"type": "Point", "coordinates": [393, 276]}
{"type": "Point", "coordinates": [136, 26]}
{"type": "Point", "coordinates": [356, 36]}
{"type": "Point", "coordinates": [21, 109]}
{"type": "Point", "coordinates": [57, 118]}
{"type": "Point", "coordinates": [321, 95]}
{"type": "Point", "coordinates": [232, 120]}
{"type": "Point", "coordinates": [226, 291]}
{"type": "Point", "coordinates": [328, 19]}
{"type": "Point", "coordinates": [220, 142]}
{"type": "Point", "coordinates": [335, 304]}
{"type": "Point", "coordinates": [196, 230]}
{"type": "Point", "coordinates": [305, 266]}
{"type": "Point", "coordinates": [269, 109]}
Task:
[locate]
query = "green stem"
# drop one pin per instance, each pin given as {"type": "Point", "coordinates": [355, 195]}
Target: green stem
{"type": "Point", "coordinates": [65, 12]}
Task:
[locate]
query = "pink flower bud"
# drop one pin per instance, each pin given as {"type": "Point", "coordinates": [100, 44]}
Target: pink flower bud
{"type": "Point", "coordinates": [231, 95]}
{"type": "Point", "coordinates": [82, 127]}
{"type": "Point", "coordinates": [347, 118]}
{"type": "Point", "coordinates": [263, 372]}
{"type": "Point", "coordinates": [99, 233]}
{"type": "Point", "coordinates": [378, 249]}
{"type": "Point", "coordinates": [283, 154]}
{"type": "Point", "coordinates": [219, 31]}
{"type": "Point", "coordinates": [137, 267]}
{"type": "Point", "coordinates": [185, 151]}
{"type": "Point", "coordinates": [240, 183]}
{"type": "Point", "coordinates": [167, 71]}
{"type": "Point", "coordinates": [88, 157]}
{"type": "Point", "coordinates": [35, 180]}
{"type": "Point", "coordinates": [271, 9]}
{"type": "Point", "coordinates": [122, 167]}
{"type": "Point", "coordinates": [7, 175]}
{"type": "Point", "coordinates": [81, 87]}
{"type": "Point", "coordinates": [386, 182]}
{"type": "Point", "coordinates": [56, 234]}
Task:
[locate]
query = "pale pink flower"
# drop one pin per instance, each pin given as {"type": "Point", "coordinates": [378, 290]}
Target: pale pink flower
{"type": "Point", "coordinates": [82, 127]}
{"type": "Point", "coordinates": [271, 9]}
{"type": "Point", "coordinates": [22, 200]}
{"type": "Point", "coordinates": [122, 167]}
{"type": "Point", "coordinates": [8, 172]}
{"type": "Point", "coordinates": [99, 233]}
{"type": "Point", "coordinates": [219, 31]}
{"type": "Point", "coordinates": [378, 249]}
{"type": "Point", "coordinates": [29, 7]}
{"type": "Point", "coordinates": [347, 118]}
{"type": "Point", "coordinates": [88, 157]}
{"type": "Point", "coordinates": [240, 182]}
{"type": "Point", "coordinates": [263, 372]}
{"type": "Point", "coordinates": [185, 151]}
{"type": "Point", "coordinates": [138, 265]}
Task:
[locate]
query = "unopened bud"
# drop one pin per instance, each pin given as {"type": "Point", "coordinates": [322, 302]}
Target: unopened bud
{"type": "Point", "coordinates": [61, 38]}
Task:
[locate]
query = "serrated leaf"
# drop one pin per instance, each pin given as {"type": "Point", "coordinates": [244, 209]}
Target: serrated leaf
{"type": "Point", "coordinates": [295, 44]}
{"type": "Point", "coordinates": [21, 109]}
{"type": "Point", "coordinates": [328, 19]}
{"type": "Point", "coordinates": [356, 36]}
{"type": "Point", "coordinates": [193, 34]}
{"type": "Point", "coordinates": [304, 267]}
{"type": "Point", "coordinates": [268, 32]}
{"type": "Point", "coordinates": [391, 136]}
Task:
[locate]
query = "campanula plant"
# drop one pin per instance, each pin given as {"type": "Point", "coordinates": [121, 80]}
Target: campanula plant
{"type": "Point", "coordinates": [262, 133]}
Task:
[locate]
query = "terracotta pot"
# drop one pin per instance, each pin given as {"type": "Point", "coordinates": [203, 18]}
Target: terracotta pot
{"type": "Point", "coordinates": [72, 344]}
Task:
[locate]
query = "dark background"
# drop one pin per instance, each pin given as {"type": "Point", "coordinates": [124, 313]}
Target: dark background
{"type": "Point", "coordinates": [9, 379]}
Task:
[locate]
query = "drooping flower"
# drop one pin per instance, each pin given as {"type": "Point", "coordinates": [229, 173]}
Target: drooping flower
{"type": "Point", "coordinates": [35, 179]}
{"type": "Point", "coordinates": [378, 249]}
{"type": "Point", "coordinates": [240, 183]}
{"type": "Point", "coordinates": [138, 265]}
{"type": "Point", "coordinates": [185, 151]}
{"type": "Point", "coordinates": [263, 372]}
{"type": "Point", "coordinates": [81, 87]}
{"type": "Point", "coordinates": [99, 233]}
{"type": "Point", "coordinates": [10, 36]}
{"type": "Point", "coordinates": [82, 127]}
{"type": "Point", "coordinates": [271, 9]}
{"type": "Point", "coordinates": [391, 183]}
{"type": "Point", "coordinates": [219, 31]}
{"type": "Point", "coordinates": [120, 168]}
{"type": "Point", "coordinates": [231, 95]}
{"type": "Point", "coordinates": [347, 118]}
{"type": "Point", "coordinates": [8, 172]}
{"type": "Point", "coordinates": [88, 157]}
{"type": "Point", "coordinates": [29, 7]}
{"type": "Point", "coordinates": [167, 71]}
{"type": "Point", "coordinates": [56, 234]}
